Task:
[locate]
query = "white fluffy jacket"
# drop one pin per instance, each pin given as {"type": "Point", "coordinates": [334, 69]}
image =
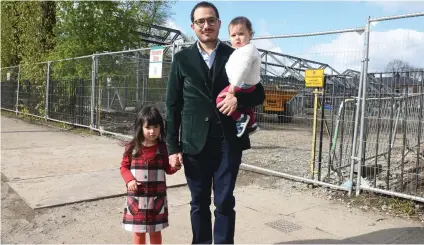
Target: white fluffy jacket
{"type": "Point", "coordinates": [244, 66]}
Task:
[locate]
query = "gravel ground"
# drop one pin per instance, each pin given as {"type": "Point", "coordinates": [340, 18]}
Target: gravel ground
{"type": "Point", "coordinates": [285, 148]}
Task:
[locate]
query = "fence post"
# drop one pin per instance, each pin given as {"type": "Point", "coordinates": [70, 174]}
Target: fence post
{"type": "Point", "coordinates": [46, 112]}
{"type": "Point", "coordinates": [364, 103]}
{"type": "Point", "coordinates": [353, 158]}
{"type": "Point", "coordinates": [137, 75]}
{"type": "Point", "coordinates": [17, 91]}
{"type": "Point", "coordinates": [93, 88]}
{"type": "Point", "coordinates": [266, 66]}
{"type": "Point", "coordinates": [174, 46]}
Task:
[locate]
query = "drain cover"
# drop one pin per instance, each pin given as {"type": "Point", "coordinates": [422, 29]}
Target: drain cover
{"type": "Point", "coordinates": [284, 226]}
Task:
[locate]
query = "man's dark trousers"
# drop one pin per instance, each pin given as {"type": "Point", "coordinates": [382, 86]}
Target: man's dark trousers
{"type": "Point", "coordinates": [216, 165]}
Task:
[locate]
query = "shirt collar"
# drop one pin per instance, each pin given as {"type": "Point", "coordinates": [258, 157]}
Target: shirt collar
{"type": "Point", "coordinates": [201, 51]}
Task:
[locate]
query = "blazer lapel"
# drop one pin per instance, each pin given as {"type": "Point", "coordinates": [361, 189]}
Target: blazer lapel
{"type": "Point", "coordinates": [198, 62]}
{"type": "Point", "coordinates": [199, 65]}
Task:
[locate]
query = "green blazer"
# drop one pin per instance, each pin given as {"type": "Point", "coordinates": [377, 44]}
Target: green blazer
{"type": "Point", "coordinates": [191, 102]}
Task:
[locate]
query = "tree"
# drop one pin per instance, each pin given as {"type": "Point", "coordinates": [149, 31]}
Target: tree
{"type": "Point", "coordinates": [27, 29]}
{"type": "Point", "coordinates": [85, 27]}
{"type": "Point", "coordinates": [48, 22]}
{"type": "Point", "coordinates": [405, 69]}
{"type": "Point", "coordinates": [27, 38]}
{"type": "Point", "coordinates": [10, 33]}
{"type": "Point", "coordinates": [397, 65]}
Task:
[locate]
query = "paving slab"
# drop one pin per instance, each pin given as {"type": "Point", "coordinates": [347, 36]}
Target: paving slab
{"type": "Point", "coordinates": [47, 162]}
{"type": "Point", "coordinates": [274, 203]}
{"type": "Point", "coordinates": [18, 134]}
{"type": "Point", "coordinates": [337, 220]}
{"type": "Point", "coordinates": [32, 151]}
{"type": "Point", "coordinates": [71, 188]}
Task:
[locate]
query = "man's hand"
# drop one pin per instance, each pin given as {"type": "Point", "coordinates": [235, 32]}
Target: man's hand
{"type": "Point", "coordinates": [175, 160]}
{"type": "Point", "coordinates": [231, 89]}
{"type": "Point", "coordinates": [132, 185]}
{"type": "Point", "coordinates": [228, 105]}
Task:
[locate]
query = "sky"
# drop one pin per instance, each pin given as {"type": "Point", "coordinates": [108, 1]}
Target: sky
{"type": "Point", "coordinates": [395, 39]}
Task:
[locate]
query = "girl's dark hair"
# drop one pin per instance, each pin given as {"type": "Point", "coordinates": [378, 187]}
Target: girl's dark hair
{"type": "Point", "coordinates": [151, 116]}
{"type": "Point", "coordinates": [241, 20]}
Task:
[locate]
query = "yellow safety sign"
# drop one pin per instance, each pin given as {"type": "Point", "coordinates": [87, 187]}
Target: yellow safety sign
{"type": "Point", "coordinates": [314, 78]}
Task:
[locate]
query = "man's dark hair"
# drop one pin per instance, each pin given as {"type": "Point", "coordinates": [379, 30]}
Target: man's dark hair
{"type": "Point", "coordinates": [203, 4]}
{"type": "Point", "coordinates": [241, 20]}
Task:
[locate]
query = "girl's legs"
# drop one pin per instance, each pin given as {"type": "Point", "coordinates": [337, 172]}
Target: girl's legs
{"type": "Point", "coordinates": [139, 238]}
{"type": "Point", "coordinates": [155, 237]}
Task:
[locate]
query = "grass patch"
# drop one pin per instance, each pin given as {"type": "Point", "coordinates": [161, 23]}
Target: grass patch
{"type": "Point", "coordinates": [389, 205]}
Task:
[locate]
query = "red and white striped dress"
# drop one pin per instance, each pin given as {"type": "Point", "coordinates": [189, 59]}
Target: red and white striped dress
{"type": "Point", "coordinates": [147, 209]}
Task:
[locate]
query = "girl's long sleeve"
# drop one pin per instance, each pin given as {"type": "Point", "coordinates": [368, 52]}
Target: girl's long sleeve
{"type": "Point", "coordinates": [125, 169]}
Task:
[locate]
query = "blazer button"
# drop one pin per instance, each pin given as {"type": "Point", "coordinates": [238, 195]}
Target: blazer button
{"type": "Point", "coordinates": [206, 119]}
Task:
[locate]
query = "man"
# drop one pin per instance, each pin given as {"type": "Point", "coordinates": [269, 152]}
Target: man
{"type": "Point", "coordinates": [207, 144]}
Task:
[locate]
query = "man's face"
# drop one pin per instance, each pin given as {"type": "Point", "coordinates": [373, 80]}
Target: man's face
{"type": "Point", "coordinates": [206, 25]}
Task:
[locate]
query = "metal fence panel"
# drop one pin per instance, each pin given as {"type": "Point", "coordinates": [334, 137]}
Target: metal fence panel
{"type": "Point", "coordinates": [9, 87]}
{"type": "Point", "coordinates": [392, 158]}
{"type": "Point", "coordinates": [123, 87]}
{"type": "Point", "coordinates": [69, 91]}
{"type": "Point", "coordinates": [32, 89]}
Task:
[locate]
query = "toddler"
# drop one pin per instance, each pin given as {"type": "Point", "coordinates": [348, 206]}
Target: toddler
{"type": "Point", "coordinates": [243, 71]}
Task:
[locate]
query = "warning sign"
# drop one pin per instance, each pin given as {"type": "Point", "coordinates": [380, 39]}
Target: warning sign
{"type": "Point", "coordinates": [156, 58]}
{"type": "Point", "coordinates": [314, 78]}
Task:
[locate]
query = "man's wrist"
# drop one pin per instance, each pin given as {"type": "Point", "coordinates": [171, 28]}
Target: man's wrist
{"type": "Point", "coordinates": [173, 149]}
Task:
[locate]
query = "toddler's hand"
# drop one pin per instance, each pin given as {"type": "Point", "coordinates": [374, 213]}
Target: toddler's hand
{"type": "Point", "coordinates": [132, 185]}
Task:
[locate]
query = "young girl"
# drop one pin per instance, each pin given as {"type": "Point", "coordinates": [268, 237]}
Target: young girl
{"type": "Point", "coordinates": [143, 169]}
{"type": "Point", "coordinates": [243, 71]}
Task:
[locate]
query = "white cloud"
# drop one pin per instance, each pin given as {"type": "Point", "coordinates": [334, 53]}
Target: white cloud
{"type": "Point", "coordinates": [261, 29]}
{"type": "Point", "coordinates": [171, 24]}
{"type": "Point", "coordinates": [267, 44]}
{"type": "Point", "coordinates": [345, 51]}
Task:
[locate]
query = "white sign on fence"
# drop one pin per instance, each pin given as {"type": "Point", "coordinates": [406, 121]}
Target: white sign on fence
{"type": "Point", "coordinates": [156, 58]}
{"type": "Point", "coordinates": [8, 76]}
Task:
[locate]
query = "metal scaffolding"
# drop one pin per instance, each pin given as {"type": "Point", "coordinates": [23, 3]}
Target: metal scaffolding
{"type": "Point", "coordinates": [162, 35]}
